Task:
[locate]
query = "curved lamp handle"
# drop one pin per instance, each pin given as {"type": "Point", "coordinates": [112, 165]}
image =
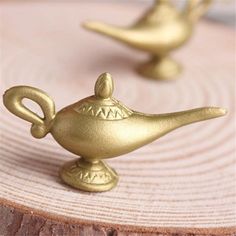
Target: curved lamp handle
{"type": "Point", "coordinates": [12, 99]}
{"type": "Point", "coordinates": [196, 8]}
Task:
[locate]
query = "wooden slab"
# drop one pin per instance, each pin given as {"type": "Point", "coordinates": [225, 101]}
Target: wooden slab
{"type": "Point", "coordinates": [183, 184]}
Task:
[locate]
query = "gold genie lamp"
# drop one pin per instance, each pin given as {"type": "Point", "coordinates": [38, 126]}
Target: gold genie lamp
{"type": "Point", "coordinates": [96, 128]}
{"type": "Point", "coordinates": [162, 29]}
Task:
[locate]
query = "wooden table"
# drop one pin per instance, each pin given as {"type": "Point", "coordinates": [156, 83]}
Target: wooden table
{"type": "Point", "coordinates": [183, 184]}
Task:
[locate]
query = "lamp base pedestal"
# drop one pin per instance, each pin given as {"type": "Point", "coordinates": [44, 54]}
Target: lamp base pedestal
{"type": "Point", "coordinates": [160, 68]}
{"type": "Point", "coordinates": [89, 176]}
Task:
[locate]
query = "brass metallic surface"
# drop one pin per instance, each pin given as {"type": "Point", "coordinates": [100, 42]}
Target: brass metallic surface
{"type": "Point", "coordinates": [96, 128]}
{"type": "Point", "coordinates": [161, 30]}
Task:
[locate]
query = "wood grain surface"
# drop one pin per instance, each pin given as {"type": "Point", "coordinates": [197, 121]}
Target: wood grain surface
{"type": "Point", "coordinates": [182, 184]}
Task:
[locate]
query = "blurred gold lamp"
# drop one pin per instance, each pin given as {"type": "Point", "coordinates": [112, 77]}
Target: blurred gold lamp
{"type": "Point", "coordinates": [96, 128]}
{"type": "Point", "coordinates": [161, 30]}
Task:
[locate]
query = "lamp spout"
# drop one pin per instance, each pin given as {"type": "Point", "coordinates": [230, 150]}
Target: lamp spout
{"type": "Point", "coordinates": [114, 32]}
{"type": "Point", "coordinates": [171, 121]}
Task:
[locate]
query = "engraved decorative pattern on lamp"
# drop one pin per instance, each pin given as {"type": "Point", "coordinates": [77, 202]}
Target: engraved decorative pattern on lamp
{"type": "Point", "coordinates": [112, 111]}
{"type": "Point", "coordinates": [86, 129]}
{"type": "Point", "coordinates": [103, 105]}
{"type": "Point", "coordinates": [88, 176]}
